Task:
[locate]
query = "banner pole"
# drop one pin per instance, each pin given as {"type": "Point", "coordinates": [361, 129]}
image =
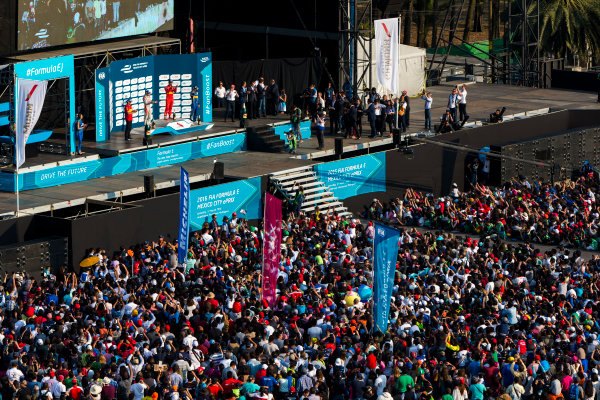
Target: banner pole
{"type": "Point", "coordinates": [16, 143]}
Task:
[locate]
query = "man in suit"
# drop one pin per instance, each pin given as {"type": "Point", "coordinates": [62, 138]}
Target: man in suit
{"type": "Point", "coordinates": [371, 117]}
{"type": "Point", "coordinates": [274, 91]}
{"type": "Point", "coordinates": [243, 93]}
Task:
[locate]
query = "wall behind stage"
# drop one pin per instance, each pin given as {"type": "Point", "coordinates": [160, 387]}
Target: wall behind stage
{"type": "Point", "coordinates": [292, 74]}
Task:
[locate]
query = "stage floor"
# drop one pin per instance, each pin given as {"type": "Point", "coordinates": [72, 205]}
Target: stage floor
{"type": "Point", "coordinates": [117, 144]}
{"type": "Point", "coordinates": [483, 99]}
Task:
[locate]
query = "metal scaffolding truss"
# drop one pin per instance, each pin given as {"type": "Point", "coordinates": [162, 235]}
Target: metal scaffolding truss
{"type": "Point", "coordinates": [523, 42]}
{"type": "Point", "coordinates": [445, 38]}
{"type": "Point", "coordinates": [355, 24]}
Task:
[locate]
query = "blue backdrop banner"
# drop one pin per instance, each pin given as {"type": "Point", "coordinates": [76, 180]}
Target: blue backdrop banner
{"type": "Point", "coordinates": [241, 197]}
{"type": "Point", "coordinates": [124, 163]}
{"type": "Point", "coordinates": [354, 176]}
{"type": "Point", "coordinates": [184, 216]}
{"type": "Point", "coordinates": [131, 78]}
{"type": "Point", "coordinates": [384, 264]}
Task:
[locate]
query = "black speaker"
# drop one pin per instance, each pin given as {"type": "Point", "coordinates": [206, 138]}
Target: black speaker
{"type": "Point", "coordinates": [339, 147]}
{"type": "Point", "coordinates": [149, 185]}
{"type": "Point", "coordinates": [34, 256]}
{"type": "Point", "coordinates": [219, 171]}
{"type": "Point", "coordinates": [396, 136]}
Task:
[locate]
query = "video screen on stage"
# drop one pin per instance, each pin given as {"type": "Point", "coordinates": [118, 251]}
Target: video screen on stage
{"type": "Point", "coordinates": [47, 23]}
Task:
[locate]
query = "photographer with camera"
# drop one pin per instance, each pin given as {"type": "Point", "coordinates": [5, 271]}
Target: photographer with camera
{"type": "Point", "coordinates": [496, 116]}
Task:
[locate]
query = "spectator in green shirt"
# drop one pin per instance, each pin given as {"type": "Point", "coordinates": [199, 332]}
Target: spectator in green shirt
{"type": "Point", "coordinates": [404, 381]}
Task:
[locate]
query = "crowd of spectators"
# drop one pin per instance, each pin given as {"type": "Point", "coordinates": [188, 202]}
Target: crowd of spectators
{"type": "Point", "coordinates": [469, 319]}
{"type": "Point", "coordinates": [565, 214]}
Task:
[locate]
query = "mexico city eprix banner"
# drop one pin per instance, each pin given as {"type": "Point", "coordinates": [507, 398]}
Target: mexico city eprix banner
{"type": "Point", "coordinates": [271, 248]}
{"type": "Point", "coordinates": [354, 176]}
{"type": "Point", "coordinates": [386, 52]}
{"type": "Point", "coordinates": [384, 264]}
{"type": "Point", "coordinates": [45, 70]}
{"type": "Point", "coordinates": [130, 79]}
{"type": "Point", "coordinates": [241, 197]}
{"type": "Point", "coordinates": [184, 216]}
{"type": "Point", "coordinates": [31, 100]}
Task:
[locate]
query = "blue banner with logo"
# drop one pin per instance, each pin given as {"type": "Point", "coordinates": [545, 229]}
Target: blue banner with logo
{"type": "Point", "coordinates": [47, 69]}
{"type": "Point", "coordinates": [354, 176]}
{"type": "Point", "coordinates": [124, 163]}
{"type": "Point", "coordinates": [241, 197]}
{"type": "Point", "coordinates": [131, 78]}
{"type": "Point", "coordinates": [184, 216]}
{"type": "Point", "coordinates": [384, 264]}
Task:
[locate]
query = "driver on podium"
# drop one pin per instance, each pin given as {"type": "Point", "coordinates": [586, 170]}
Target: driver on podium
{"type": "Point", "coordinates": [195, 114]}
{"type": "Point", "coordinates": [170, 89]}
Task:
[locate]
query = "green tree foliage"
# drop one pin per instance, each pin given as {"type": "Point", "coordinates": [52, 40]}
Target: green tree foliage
{"type": "Point", "coordinates": [572, 25]}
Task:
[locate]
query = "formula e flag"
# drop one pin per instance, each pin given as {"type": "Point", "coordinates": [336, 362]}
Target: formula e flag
{"type": "Point", "coordinates": [184, 216]}
{"type": "Point", "coordinates": [385, 257]}
{"type": "Point", "coordinates": [30, 100]}
{"type": "Point", "coordinates": [271, 248]}
{"type": "Point", "coordinates": [386, 53]}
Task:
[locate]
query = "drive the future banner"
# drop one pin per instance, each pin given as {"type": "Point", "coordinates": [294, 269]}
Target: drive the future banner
{"type": "Point", "coordinates": [384, 263]}
{"type": "Point", "coordinates": [386, 53]}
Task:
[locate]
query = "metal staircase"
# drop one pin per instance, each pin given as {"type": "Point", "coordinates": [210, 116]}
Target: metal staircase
{"type": "Point", "coordinates": [317, 196]}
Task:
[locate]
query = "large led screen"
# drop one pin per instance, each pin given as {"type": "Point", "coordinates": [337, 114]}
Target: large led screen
{"type": "Point", "coordinates": [46, 23]}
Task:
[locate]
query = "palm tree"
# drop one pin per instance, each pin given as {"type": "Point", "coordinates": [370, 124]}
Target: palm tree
{"type": "Point", "coordinates": [572, 25]}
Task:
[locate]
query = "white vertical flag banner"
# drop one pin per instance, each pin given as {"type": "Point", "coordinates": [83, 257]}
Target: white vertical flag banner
{"type": "Point", "coordinates": [30, 100]}
{"type": "Point", "coordinates": [386, 53]}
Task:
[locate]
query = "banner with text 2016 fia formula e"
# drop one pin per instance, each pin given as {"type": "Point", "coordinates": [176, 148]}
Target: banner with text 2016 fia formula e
{"type": "Point", "coordinates": [241, 197]}
{"type": "Point", "coordinates": [354, 176]}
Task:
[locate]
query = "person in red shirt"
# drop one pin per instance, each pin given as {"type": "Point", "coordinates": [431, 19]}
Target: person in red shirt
{"type": "Point", "coordinates": [129, 111]}
{"type": "Point", "coordinates": [230, 383]}
{"type": "Point", "coordinates": [371, 361]}
{"type": "Point", "coordinates": [170, 89]}
{"type": "Point", "coordinates": [75, 392]}
{"type": "Point", "coordinates": [215, 388]}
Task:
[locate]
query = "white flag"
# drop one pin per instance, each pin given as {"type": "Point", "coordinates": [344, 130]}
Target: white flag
{"type": "Point", "coordinates": [386, 53]}
{"type": "Point", "coordinates": [30, 100]}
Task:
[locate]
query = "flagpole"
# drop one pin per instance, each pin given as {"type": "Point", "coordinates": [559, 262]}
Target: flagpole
{"type": "Point", "coordinates": [16, 142]}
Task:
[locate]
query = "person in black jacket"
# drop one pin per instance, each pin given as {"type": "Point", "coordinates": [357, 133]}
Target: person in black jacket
{"type": "Point", "coordinates": [407, 111]}
{"type": "Point", "coordinates": [243, 98]}
{"type": "Point", "coordinates": [274, 92]}
{"type": "Point", "coordinates": [351, 122]}
{"type": "Point", "coordinates": [359, 114]}
{"type": "Point", "coordinates": [252, 110]}
{"type": "Point", "coordinates": [339, 113]}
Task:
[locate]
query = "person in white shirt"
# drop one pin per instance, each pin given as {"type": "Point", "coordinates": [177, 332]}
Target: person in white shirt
{"type": "Point", "coordinates": [14, 374]}
{"type": "Point", "coordinates": [231, 95]}
{"type": "Point", "coordinates": [462, 105]}
{"type": "Point", "coordinates": [428, 102]}
{"type": "Point", "coordinates": [220, 96]}
{"type": "Point", "coordinates": [452, 100]}
{"type": "Point", "coordinates": [58, 388]}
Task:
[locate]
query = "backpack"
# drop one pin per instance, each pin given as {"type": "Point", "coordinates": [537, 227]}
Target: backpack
{"type": "Point", "coordinates": [573, 392]}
